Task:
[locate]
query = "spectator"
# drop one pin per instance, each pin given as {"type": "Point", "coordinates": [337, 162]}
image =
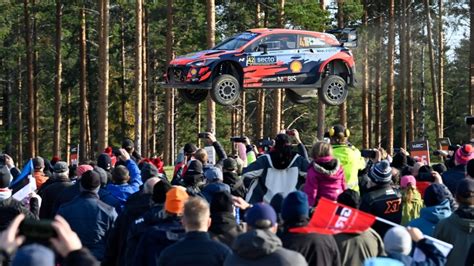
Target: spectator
{"type": "Point", "coordinates": [458, 229]}
{"type": "Point", "coordinates": [224, 227]}
{"type": "Point", "coordinates": [193, 179]}
{"type": "Point", "coordinates": [348, 155]}
{"type": "Point", "coordinates": [355, 248]}
{"type": "Point", "coordinates": [325, 176]}
{"type": "Point", "coordinates": [398, 245]}
{"type": "Point", "coordinates": [260, 245]}
{"type": "Point", "coordinates": [437, 208]}
{"type": "Point", "coordinates": [201, 154]}
{"type": "Point", "coordinates": [411, 199]}
{"type": "Point", "coordinates": [104, 194]}
{"type": "Point", "coordinates": [382, 199]}
{"type": "Point", "coordinates": [196, 248]}
{"type": "Point", "coordinates": [318, 249]}
{"type": "Point", "coordinates": [6, 160]}
{"type": "Point", "coordinates": [129, 147]}
{"type": "Point", "coordinates": [88, 216]}
{"type": "Point", "coordinates": [214, 183]}
{"type": "Point", "coordinates": [280, 171]}
{"type": "Point", "coordinates": [182, 165]}
{"type": "Point", "coordinates": [33, 254]}
{"type": "Point", "coordinates": [105, 162]}
{"type": "Point", "coordinates": [51, 190]}
{"type": "Point", "coordinates": [38, 174]}
{"type": "Point", "coordinates": [232, 179]}
{"type": "Point", "coordinates": [457, 173]}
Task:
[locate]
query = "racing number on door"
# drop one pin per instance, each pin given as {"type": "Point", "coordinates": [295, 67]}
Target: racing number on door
{"type": "Point", "coordinates": [393, 206]}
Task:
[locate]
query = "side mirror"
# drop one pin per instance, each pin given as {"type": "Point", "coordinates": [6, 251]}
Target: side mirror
{"type": "Point", "coordinates": [263, 46]}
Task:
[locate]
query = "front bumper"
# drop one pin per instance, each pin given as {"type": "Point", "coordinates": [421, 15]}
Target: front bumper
{"type": "Point", "coordinates": [184, 76]}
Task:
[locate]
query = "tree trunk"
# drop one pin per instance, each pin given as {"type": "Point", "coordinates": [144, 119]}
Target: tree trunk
{"type": "Point", "coordinates": [321, 106]}
{"type": "Point", "coordinates": [340, 24]}
{"type": "Point", "coordinates": [276, 119]}
{"type": "Point", "coordinates": [123, 97]}
{"type": "Point", "coordinates": [441, 68]}
{"type": "Point", "coordinates": [403, 70]}
{"type": "Point", "coordinates": [243, 114]}
{"type": "Point", "coordinates": [138, 73]}
{"type": "Point", "coordinates": [19, 113]}
{"type": "Point", "coordinates": [210, 41]}
{"type": "Point", "coordinates": [67, 133]}
{"type": "Point", "coordinates": [378, 83]}
{"type": "Point", "coordinates": [434, 87]}
{"type": "Point", "coordinates": [57, 83]}
{"type": "Point", "coordinates": [145, 86]}
{"type": "Point", "coordinates": [365, 85]}
{"type": "Point", "coordinates": [103, 107]}
{"type": "Point", "coordinates": [409, 72]}
{"type": "Point", "coordinates": [29, 81]}
{"type": "Point", "coordinates": [260, 93]}
{"type": "Point", "coordinates": [168, 155]}
{"type": "Point", "coordinates": [391, 76]}
{"type": "Point", "coordinates": [83, 115]}
{"type": "Point", "coordinates": [35, 78]}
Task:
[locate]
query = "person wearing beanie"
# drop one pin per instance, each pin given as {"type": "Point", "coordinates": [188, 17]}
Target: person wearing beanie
{"type": "Point", "coordinates": [437, 207]}
{"type": "Point", "coordinates": [224, 227]}
{"type": "Point", "coordinates": [318, 249]}
{"type": "Point", "coordinates": [214, 183]}
{"type": "Point", "coordinates": [325, 176]}
{"type": "Point", "coordinates": [348, 155]}
{"type": "Point", "coordinates": [184, 157]}
{"type": "Point", "coordinates": [231, 178]}
{"type": "Point", "coordinates": [259, 245]}
{"type": "Point", "coordinates": [129, 147]}
{"type": "Point", "coordinates": [105, 162]}
{"type": "Point", "coordinates": [279, 171]}
{"type": "Point", "coordinates": [38, 173]}
{"type": "Point", "coordinates": [458, 229]}
{"type": "Point", "coordinates": [461, 157]}
{"type": "Point", "coordinates": [88, 216]}
{"type": "Point", "coordinates": [52, 189]}
{"type": "Point", "coordinates": [398, 245]}
{"type": "Point", "coordinates": [193, 179]}
{"type": "Point", "coordinates": [381, 198]}
{"type": "Point", "coordinates": [411, 199]}
{"type": "Point", "coordinates": [355, 248]}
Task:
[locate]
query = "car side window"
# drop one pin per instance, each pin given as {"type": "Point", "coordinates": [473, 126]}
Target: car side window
{"type": "Point", "coordinates": [308, 41]}
{"type": "Point", "coordinates": [275, 42]}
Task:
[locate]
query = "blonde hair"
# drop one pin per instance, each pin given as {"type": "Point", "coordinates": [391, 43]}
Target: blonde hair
{"type": "Point", "coordinates": [408, 193]}
{"type": "Point", "coordinates": [201, 155]}
{"type": "Point", "coordinates": [196, 214]}
{"type": "Point", "coordinates": [321, 149]}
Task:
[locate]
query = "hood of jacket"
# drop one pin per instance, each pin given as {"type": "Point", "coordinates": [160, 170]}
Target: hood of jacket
{"type": "Point", "coordinates": [256, 244]}
{"type": "Point", "coordinates": [465, 224]}
{"type": "Point", "coordinates": [329, 169]}
{"type": "Point", "coordinates": [436, 213]}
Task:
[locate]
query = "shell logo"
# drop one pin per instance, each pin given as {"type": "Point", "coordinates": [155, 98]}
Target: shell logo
{"type": "Point", "coordinates": [296, 66]}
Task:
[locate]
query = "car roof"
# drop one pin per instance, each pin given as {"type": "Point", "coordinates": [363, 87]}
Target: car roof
{"type": "Point", "coordinates": [266, 30]}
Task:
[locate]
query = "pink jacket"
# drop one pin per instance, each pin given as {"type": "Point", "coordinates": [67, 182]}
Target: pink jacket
{"type": "Point", "coordinates": [324, 180]}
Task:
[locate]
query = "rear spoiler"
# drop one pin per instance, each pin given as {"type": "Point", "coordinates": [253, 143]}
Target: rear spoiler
{"type": "Point", "coordinates": [347, 36]}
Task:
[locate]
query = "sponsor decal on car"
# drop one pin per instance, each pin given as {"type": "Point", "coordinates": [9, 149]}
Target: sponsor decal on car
{"type": "Point", "coordinates": [261, 60]}
{"type": "Point", "coordinates": [280, 79]}
{"type": "Point", "coordinates": [296, 66]}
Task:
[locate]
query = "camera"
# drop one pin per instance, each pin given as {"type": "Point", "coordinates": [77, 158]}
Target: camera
{"type": "Point", "coordinates": [266, 142]}
{"type": "Point", "coordinates": [202, 135]}
{"type": "Point", "coordinates": [368, 154]}
{"type": "Point", "coordinates": [453, 147]}
{"type": "Point", "coordinates": [290, 132]}
{"type": "Point", "coordinates": [440, 153]}
{"type": "Point", "coordinates": [238, 139]}
{"type": "Point", "coordinates": [37, 230]}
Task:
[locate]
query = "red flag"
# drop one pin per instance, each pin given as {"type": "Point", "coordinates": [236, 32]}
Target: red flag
{"type": "Point", "coordinates": [332, 218]}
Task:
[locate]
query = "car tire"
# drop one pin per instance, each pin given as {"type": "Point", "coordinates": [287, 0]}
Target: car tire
{"type": "Point", "coordinates": [296, 98]}
{"type": "Point", "coordinates": [193, 96]}
{"type": "Point", "coordinates": [225, 90]}
{"type": "Point", "coordinates": [333, 90]}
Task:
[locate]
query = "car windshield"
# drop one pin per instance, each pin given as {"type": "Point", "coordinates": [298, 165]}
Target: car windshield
{"type": "Point", "coordinates": [236, 41]}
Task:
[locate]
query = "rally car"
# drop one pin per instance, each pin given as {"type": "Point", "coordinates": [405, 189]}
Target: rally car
{"type": "Point", "coordinates": [304, 63]}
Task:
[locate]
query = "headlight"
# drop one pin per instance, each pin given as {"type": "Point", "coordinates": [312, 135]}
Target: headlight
{"type": "Point", "coordinates": [201, 63]}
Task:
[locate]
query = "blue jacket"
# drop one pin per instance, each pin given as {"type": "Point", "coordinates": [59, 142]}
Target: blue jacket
{"type": "Point", "coordinates": [453, 176]}
{"type": "Point", "coordinates": [123, 191]}
{"type": "Point", "coordinates": [91, 219]}
{"type": "Point", "coordinates": [434, 257]}
{"type": "Point", "coordinates": [430, 216]}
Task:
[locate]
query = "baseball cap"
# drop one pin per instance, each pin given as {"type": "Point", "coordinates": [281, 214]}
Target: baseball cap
{"type": "Point", "coordinates": [261, 216]}
{"type": "Point", "coordinates": [175, 199]}
{"type": "Point", "coordinates": [60, 167]}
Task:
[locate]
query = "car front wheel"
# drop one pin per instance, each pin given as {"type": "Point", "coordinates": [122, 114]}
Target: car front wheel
{"type": "Point", "coordinates": [333, 90]}
{"type": "Point", "coordinates": [225, 90]}
{"type": "Point", "coordinates": [193, 96]}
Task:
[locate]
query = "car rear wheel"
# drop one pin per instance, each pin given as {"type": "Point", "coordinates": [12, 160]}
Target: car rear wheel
{"type": "Point", "coordinates": [225, 90]}
{"type": "Point", "coordinates": [193, 96]}
{"type": "Point", "coordinates": [333, 90]}
{"type": "Point", "coordinates": [296, 98]}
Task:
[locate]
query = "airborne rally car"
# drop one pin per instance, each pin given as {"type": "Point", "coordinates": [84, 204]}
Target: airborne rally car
{"type": "Point", "coordinates": [301, 62]}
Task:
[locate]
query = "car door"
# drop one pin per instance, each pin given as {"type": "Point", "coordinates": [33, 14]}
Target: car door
{"type": "Point", "coordinates": [315, 52]}
{"type": "Point", "coordinates": [274, 66]}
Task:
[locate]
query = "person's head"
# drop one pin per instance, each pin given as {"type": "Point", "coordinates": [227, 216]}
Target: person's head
{"type": "Point", "coordinates": [176, 196]}
{"type": "Point", "coordinates": [441, 168]}
{"type": "Point", "coordinates": [159, 192]}
{"type": "Point", "coordinates": [32, 255]}
{"type": "Point", "coordinates": [81, 169]}
{"type": "Point", "coordinates": [38, 163]}
{"type": "Point", "coordinates": [229, 165]}
{"type": "Point", "coordinates": [196, 216]}
{"type": "Point", "coordinates": [201, 155]}
{"type": "Point", "coordinates": [149, 184]}
{"type": "Point", "coordinates": [90, 181]}
{"type": "Point", "coordinates": [262, 216]}
{"type": "Point", "coordinates": [399, 160]}
{"type": "Point", "coordinates": [465, 192]}
{"type": "Point", "coordinates": [194, 175]}
{"type": "Point", "coordinates": [128, 145]}
{"type": "Point", "coordinates": [221, 203]}
{"type": "Point", "coordinates": [282, 142]}
{"type": "Point", "coordinates": [435, 194]}
{"type": "Point", "coordinates": [381, 173]}
{"type": "Point", "coordinates": [470, 168]}
{"type": "Point", "coordinates": [120, 175]}
{"type": "Point", "coordinates": [61, 170]}
{"type": "Point", "coordinates": [408, 186]}
{"type": "Point", "coordinates": [213, 174]}
{"type": "Point", "coordinates": [397, 240]}
{"type": "Point", "coordinates": [189, 150]}
{"type": "Point", "coordinates": [395, 175]}
{"type": "Point", "coordinates": [321, 150]}
{"type": "Point", "coordinates": [349, 198]}
{"type": "Point", "coordinates": [148, 171]}
{"type": "Point", "coordinates": [104, 177]}
{"type": "Point", "coordinates": [5, 177]}
{"type": "Point", "coordinates": [416, 168]}
{"type": "Point", "coordinates": [464, 154]}
{"type": "Point", "coordinates": [104, 161]}
{"type": "Point", "coordinates": [295, 209]}
{"type": "Point", "coordinates": [339, 134]}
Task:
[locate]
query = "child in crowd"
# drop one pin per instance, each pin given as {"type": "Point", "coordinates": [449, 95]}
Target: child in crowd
{"type": "Point", "coordinates": [411, 199]}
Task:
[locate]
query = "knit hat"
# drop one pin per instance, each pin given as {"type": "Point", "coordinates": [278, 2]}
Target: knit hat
{"type": "Point", "coordinates": [175, 199]}
{"type": "Point", "coordinates": [465, 188]}
{"type": "Point", "coordinates": [189, 148]}
{"type": "Point", "coordinates": [148, 171]}
{"type": "Point", "coordinates": [104, 161]}
{"type": "Point", "coordinates": [90, 180]}
{"type": "Point", "coordinates": [435, 194]}
{"type": "Point", "coordinates": [60, 167]}
{"type": "Point", "coordinates": [277, 202]}
{"type": "Point", "coordinates": [295, 207]}
{"type": "Point", "coordinates": [407, 179]}
{"type": "Point", "coordinates": [349, 198]}
{"type": "Point", "coordinates": [230, 164]}
{"type": "Point", "coordinates": [81, 169]}
{"type": "Point", "coordinates": [464, 154]}
{"type": "Point", "coordinates": [159, 192]}
{"type": "Point", "coordinates": [194, 168]}
{"type": "Point", "coordinates": [104, 179]}
{"type": "Point", "coordinates": [397, 240]}
{"type": "Point", "coordinates": [33, 254]}
{"type": "Point", "coordinates": [261, 216]}
{"type": "Point", "coordinates": [381, 172]}
{"type": "Point", "coordinates": [213, 174]}
{"type": "Point", "coordinates": [5, 177]}
{"type": "Point", "coordinates": [38, 162]}
{"type": "Point", "coordinates": [222, 202]}
{"type": "Point", "coordinates": [127, 144]}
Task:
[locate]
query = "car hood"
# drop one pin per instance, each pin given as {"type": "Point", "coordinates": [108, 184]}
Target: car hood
{"type": "Point", "coordinates": [201, 55]}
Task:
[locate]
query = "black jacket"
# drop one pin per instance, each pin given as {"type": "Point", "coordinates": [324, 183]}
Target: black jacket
{"type": "Point", "coordinates": [10, 208]}
{"type": "Point", "coordinates": [235, 183]}
{"type": "Point", "coordinates": [196, 248]}
{"type": "Point", "coordinates": [385, 202]}
{"type": "Point", "coordinates": [224, 228]}
{"type": "Point", "coordinates": [49, 194]}
{"type": "Point", "coordinates": [81, 257]}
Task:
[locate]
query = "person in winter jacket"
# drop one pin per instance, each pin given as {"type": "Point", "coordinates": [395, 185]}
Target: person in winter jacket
{"type": "Point", "coordinates": [260, 245]}
{"type": "Point", "coordinates": [196, 248]}
{"type": "Point", "coordinates": [436, 208]}
{"type": "Point", "coordinates": [88, 216]}
{"type": "Point", "coordinates": [458, 229]}
{"type": "Point", "coordinates": [325, 175]}
{"type": "Point", "coordinates": [214, 183]}
{"type": "Point", "coordinates": [193, 179]}
{"type": "Point", "coordinates": [348, 155]}
{"type": "Point", "coordinates": [398, 245]}
{"type": "Point", "coordinates": [318, 249]}
{"type": "Point", "coordinates": [201, 154]}
{"type": "Point", "coordinates": [411, 199]}
{"type": "Point", "coordinates": [231, 178]}
{"type": "Point", "coordinates": [50, 192]}
{"type": "Point", "coordinates": [355, 248]}
{"type": "Point", "coordinates": [38, 174]}
{"type": "Point", "coordinates": [280, 171]}
{"type": "Point", "coordinates": [458, 172]}
{"type": "Point", "coordinates": [224, 227]}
